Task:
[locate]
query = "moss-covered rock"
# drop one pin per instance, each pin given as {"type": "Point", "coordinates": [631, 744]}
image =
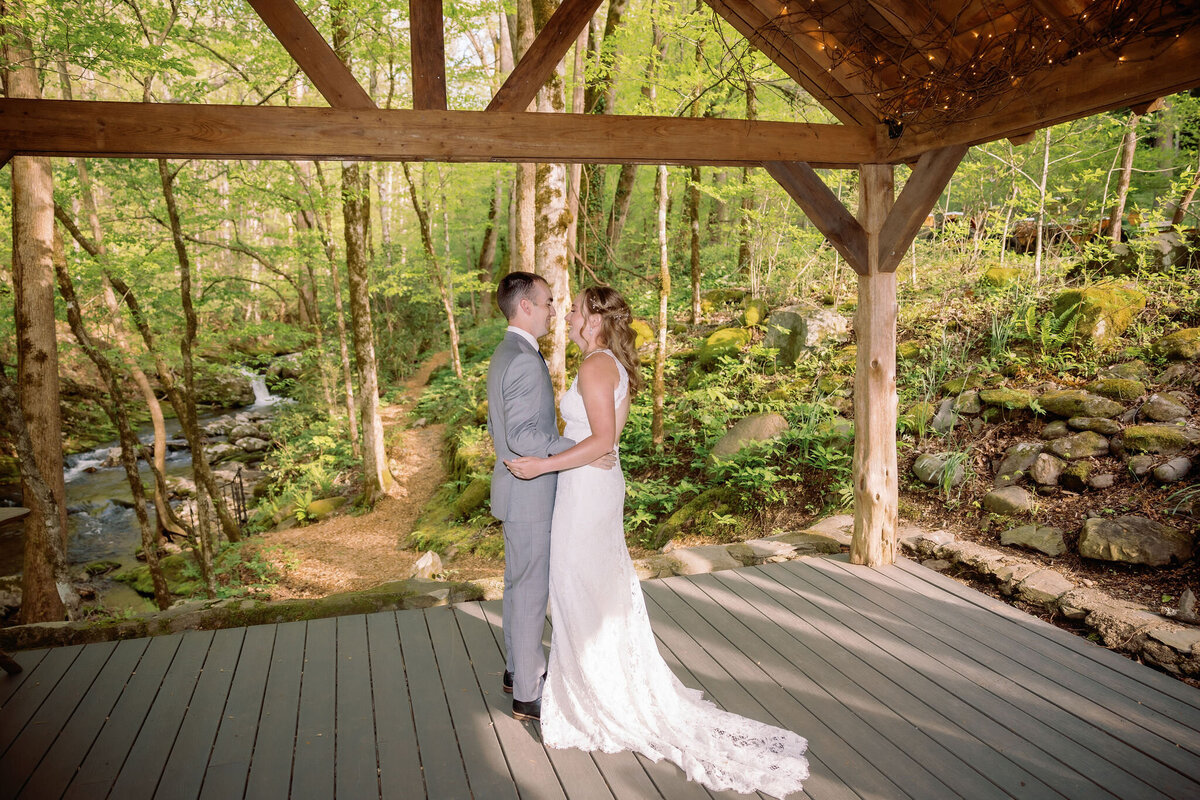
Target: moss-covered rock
{"type": "Point", "coordinates": [1078, 403]}
{"type": "Point", "coordinates": [746, 432]}
{"type": "Point", "coordinates": [918, 416]}
{"type": "Point", "coordinates": [1182, 345]}
{"type": "Point", "coordinates": [1162, 439]}
{"type": "Point", "coordinates": [1101, 313]}
{"type": "Point", "coordinates": [102, 567]}
{"type": "Point", "coordinates": [181, 575]}
{"type": "Point", "coordinates": [724, 342]}
{"type": "Point", "coordinates": [754, 312]}
{"type": "Point", "coordinates": [1008, 399]}
{"type": "Point", "coordinates": [1117, 388]}
{"type": "Point", "coordinates": [908, 351]}
{"type": "Point", "coordinates": [723, 296]}
{"type": "Point", "coordinates": [694, 516]}
{"type": "Point", "coordinates": [955, 386]}
{"type": "Point", "coordinates": [1000, 277]}
{"type": "Point", "coordinates": [643, 332]}
{"type": "Point", "coordinates": [319, 509]}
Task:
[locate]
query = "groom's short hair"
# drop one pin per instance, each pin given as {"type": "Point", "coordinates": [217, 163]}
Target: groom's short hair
{"type": "Point", "coordinates": [512, 288]}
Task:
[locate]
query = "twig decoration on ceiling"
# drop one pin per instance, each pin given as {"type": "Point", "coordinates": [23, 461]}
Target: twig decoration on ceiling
{"type": "Point", "coordinates": [913, 64]}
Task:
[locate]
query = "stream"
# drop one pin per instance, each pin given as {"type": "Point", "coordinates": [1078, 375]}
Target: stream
{"type": "Point", "coordinates": [101, 522]}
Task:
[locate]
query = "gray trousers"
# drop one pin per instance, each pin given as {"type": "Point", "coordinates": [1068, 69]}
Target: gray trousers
{"type": "Point", "coordinates": [526, 591]}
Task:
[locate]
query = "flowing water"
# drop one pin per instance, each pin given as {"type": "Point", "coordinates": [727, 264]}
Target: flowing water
{"type": "Point", "coordinates": [101, 521]}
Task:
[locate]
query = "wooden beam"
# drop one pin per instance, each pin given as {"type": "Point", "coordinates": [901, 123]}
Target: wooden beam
{"type": "Point", "coordinates": [1022, 138]}
{"type": "Point", "coordinates": [161, 130]}
{"type": "Point", "coordinates": [1089, 84]}
{"type": "Point", "coordinates": [547, 50]}
{"type": "Point", "coordinates": [427, 41]}
{"type": "Point", "coordinates": [1141, 109]}
{"type": "Point", "coordinates": [763, 32]}
{"type": "Point", "coordinates": [312, 53]}
{"type": "Point", "coordinates": [5, 157]}
{"type": "Point", "coordinates": [874, 469]}
{"type": "Point", "coordinates": [824, 209]}
{"type": "Point", "coordinates": [918, 197]}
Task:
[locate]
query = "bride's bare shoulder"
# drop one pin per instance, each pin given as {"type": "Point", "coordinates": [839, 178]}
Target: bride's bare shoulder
{"type": "Point", "coordinates": [598, 370]}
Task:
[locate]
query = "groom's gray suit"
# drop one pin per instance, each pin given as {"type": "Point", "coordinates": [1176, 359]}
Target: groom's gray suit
{"type": "Point", "coordinates": [523, 422]}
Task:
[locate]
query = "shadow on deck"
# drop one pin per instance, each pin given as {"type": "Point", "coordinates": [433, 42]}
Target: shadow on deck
{"type": "Point", "coordinates": [906, 684]}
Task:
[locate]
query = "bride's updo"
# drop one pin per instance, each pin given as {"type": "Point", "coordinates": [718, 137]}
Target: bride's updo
{"type": "Point", "coordinates": [615, 329]}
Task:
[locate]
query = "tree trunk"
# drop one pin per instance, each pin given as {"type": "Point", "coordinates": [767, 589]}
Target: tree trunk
{"type": "Point", "coordinates": [619, 212]}
{"type": "Point", "coordinates": [445, 292]}
{"type": "Point", "coordinates": [664, 294]}
{"type": "Point", "coordinates": [553, 219]}
{"type": "Point", "coordinates": [37, 349]}
{"type": "Point", "coordinates": [693, 217]}
{"type": "Point", "coordinates": [1186, 200]}
{"type": "Point", "coordinates": [1128, 147]}
{"type": "Point", "coordinates": [186, 409]}
{"type": "Point", "coordinates": [1041, 214]}
{"type": "Point", "coordinates": [524, 243]}
{"type": "Point", "coordinates": [486, 266]}
{"type": "Point", "coordinates": [576, 170]}
{"type": "Point", "coordinates": [115, 408]}
{"type": "Point", "coordinates": [745, 226]}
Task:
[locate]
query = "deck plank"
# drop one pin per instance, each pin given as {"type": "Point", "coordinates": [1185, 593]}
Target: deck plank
{"type": "Point", "coordinates": [58, 766]}
{"type": "Point", "coordinates": [989, 691]}
{"type": "Point", "coordinates": [270, 772]}
{"type": "Point", "coordinates": [148, 694]}
{"type": "Point", "coordinates": [230, 760]}
{"type": "Point", "coordinates": [41, 731]}
{"type": "Point", "coordinates": [313, 767]}
{"type": "Point", "coordinates": [183, 774]}
{"type": "Point", "coordinates": [528, 760]}
{"type": "Point", "coordinates": [395, 736]}
{"type": "Point", "coordinates": [357, 761]}
{"type": "Point", "coordinates": [1148, 688]}
{"type": "Point", "coordinates": [1071, 688]}
{"type": "Point", "coordinates": [441, 762]}
{"type": "Point", "coordinates": [37, 687]}
{"type": "Point", "coordinates": [28, 659]}
{"type": "Point", "coordinates": [819, 717]}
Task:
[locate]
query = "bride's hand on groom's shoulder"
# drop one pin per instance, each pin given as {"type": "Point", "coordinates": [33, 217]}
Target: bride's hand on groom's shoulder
{"type": "Point", "coordinates": [525, 467]}
{"type": "Point", "coordinates": [606, 461]}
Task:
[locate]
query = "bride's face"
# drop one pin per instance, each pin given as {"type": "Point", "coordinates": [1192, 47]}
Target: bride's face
{"type": "Point", "coordinates": [580, 327]}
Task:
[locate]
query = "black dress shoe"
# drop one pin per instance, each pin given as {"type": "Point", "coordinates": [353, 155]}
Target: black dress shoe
{"type": "Point", "coordinates": [531, 709]}
{"type": "Point", "coordinates": [508, 682]}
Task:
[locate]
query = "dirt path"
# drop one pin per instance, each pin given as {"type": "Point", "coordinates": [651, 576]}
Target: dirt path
{"type": "Point", "coordinates": [348, 553]}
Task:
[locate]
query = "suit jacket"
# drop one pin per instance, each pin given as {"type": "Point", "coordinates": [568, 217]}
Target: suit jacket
{"type": "Point", "coordinates": [522, 422]}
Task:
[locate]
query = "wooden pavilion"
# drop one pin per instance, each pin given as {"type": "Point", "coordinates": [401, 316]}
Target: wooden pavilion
{"type": "Point", "coordinates": [909, 82]}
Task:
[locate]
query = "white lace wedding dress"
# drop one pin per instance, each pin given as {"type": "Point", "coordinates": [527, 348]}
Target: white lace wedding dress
{"type": "Point", "coordinates": [607, 688]}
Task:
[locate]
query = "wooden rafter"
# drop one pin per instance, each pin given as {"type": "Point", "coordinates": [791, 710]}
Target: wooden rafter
{"type": "Point", "coordinates": [1089, 84]}
{"type": "Point", "coordinates": [921, 191]}
{"type": "Point", "coordinates": [427, 41]}
{"type": "Point", "coordinates": [162, 130]}
{"type": "Point", "coordinates": [798, 65]}
{"type": "Point", "coordinates": [547, 50]}
{"type": "Point", "coordinates": [823, 208]}
{"type": "Point", "coordinates": [312, 53]}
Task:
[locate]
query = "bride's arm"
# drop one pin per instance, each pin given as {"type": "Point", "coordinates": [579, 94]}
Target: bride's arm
{"type": "Point", "coordinates": [598, 379]}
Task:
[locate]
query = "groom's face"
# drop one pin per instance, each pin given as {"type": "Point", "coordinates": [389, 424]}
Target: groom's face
{"type": "Point", "coordinates": [542, 305]}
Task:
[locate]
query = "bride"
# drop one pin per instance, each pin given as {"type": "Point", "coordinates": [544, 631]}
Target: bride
{"type": "Point", "coordinates": [607, 688]}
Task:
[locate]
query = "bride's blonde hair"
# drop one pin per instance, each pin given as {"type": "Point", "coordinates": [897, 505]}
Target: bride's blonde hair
{"type": "Point", "coordinates": [615, 329]}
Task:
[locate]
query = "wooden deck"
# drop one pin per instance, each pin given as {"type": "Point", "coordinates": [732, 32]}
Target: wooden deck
{"type": "Point", "coordinates": [906, 684]}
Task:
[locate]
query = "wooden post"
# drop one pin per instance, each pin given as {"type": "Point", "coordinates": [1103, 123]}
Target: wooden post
{"type": "Point", "coordinates": [875, 481]}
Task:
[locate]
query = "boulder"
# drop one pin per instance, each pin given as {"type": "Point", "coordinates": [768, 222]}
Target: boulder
{"type": "Point", "coordinates": [969, 402]}
{"type": "Point", "coordinates": [428, 565]}
{"type": "Point", "coordinates": [724, 295]}
{"type": "Point", "coordinates": [642, 331]}
{"type": "Point", "coordinates": [1086, 444]}
{"type": "Point", "coordinates": [754, 312]}
{"type": "Point", "coordinates": [1134, 540]}
{"type": "Point", "coordinates": [1101, 313]}
{"type": "Point", "coordinates": [945, 418]}
{"type": "Point", "coordinates": [1101, 425]}
{"type": "Point", "coordinates": [1141, 465]}
{"type": "Point", "coordinates": [795, 329]}
{"type": "Point", "coordinates": [1008, 399]}
{"type": "Point", "coordinates": [1078, 403]}
{"type": "Point", "coordinates": [723, 342]}
{"type": "Point", "coordinates": [1162, 439]}
{"type": "Point", "coordinates": [1046, 540]}
{"type": "Point", "coordinates": [693, 514]}
{"type": "Point", "coordinates": [931, 468]}
{"type": "Point", "coordinates": [1163, 408]}
{"type": "Point", "coordinates": [1017, 462]}
{"type": "Point", "coordinates": [1185, 374]}
{"type": "Point", "coordinates": [703, 559]}
{"type": "Point", "coordinates": [1136, 370]}
{"type": "Point", "coordinates": [1075, 477]}
{"type": "Point", "coordinates": [180, 572]}
{"type": "Point", "coordinates": [1000, 277]}
{"type": "Point", "coordinates": [1009, 501]}
{"type": "Point", "coordinates": [1182, 345]}
{"type": "Point", "coordinates": [1103, 480]}
{"type": "Point", "coordinates": [748, 430]}
{"type": "Point", "coordinates": [1046, 469]}
{"type": "Point", "coordinates": [1117, 388]}
{"type": "Point", "coordinates": [1174, 470]}
{"type": "Point", "coordinates": [319, 509]}
{"type": "Point", "coordinates": [252, 444]}
{"type": "Point", "coordinates": [1054, 430]}
{"type": "Point", "coordinates": [223, 387]}
{"type": "Point", "coordinates": [956, 386]}
{"type": "Point", "coordinates": [244, 430]}
{"type": "Point", "coordinates": [1044, 586]}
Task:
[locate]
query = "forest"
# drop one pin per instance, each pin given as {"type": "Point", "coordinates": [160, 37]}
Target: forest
{"type": "Point", "coordinates": [358, 296]}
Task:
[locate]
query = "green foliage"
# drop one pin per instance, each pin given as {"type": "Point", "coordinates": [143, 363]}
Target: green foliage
{"type": "Point", "coordinates": [246, 569]}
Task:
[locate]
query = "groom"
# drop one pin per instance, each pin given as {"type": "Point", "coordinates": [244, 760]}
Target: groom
{"type": "Point", "coordinates": [523, 422]}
